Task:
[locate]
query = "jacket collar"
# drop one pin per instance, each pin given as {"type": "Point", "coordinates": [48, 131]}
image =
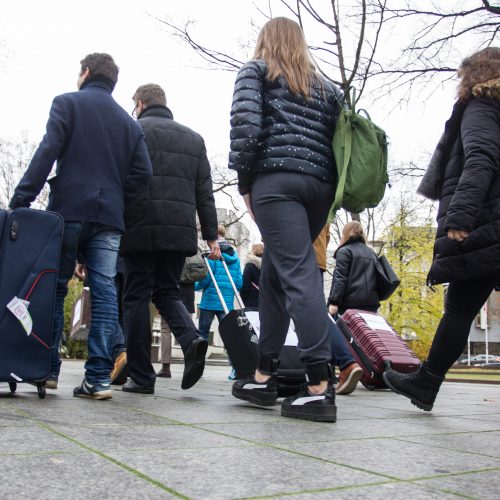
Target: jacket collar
{"type": "Point", "coordinates": [157, 110]}
{"type": "Point", "coordinates": [98, 82]}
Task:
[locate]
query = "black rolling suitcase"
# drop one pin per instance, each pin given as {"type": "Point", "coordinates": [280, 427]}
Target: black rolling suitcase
{"type": "Point", "coordinates": [30, 245]}
{"type": "Point", "coordinates": [239, 331]}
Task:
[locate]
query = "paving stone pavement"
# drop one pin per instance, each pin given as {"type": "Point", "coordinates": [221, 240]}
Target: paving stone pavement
{"type": "Point", "coordinates": [204, 444]}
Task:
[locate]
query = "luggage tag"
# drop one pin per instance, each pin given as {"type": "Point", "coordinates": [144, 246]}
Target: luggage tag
{"type": "Point", "coordinates": [19, 308]}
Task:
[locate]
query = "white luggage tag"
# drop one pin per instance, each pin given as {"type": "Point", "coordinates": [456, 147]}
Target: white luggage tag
{"type": "Point", "coordinates": [19, 308]}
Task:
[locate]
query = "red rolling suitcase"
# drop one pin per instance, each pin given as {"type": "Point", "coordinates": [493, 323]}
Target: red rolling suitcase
{"type": "Point", "coordinates": [375, 346]}
{"type": "Point", "coordinates": [30, 245]}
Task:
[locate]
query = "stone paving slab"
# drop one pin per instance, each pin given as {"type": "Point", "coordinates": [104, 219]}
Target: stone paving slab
{"type": "Point", "coordinates": [204, 444]}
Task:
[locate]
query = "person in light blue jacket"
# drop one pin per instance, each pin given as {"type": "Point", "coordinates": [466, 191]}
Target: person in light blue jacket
{"type": "Point", "coordinates": [210, 304]}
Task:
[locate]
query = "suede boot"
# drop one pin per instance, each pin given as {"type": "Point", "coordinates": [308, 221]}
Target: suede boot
{"type": "Point", "coordinates": [420, 387]}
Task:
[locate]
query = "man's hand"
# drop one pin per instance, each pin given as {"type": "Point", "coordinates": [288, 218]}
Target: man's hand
{"type": "Point", "coordinates": [457, 235]}
{"type": "Point", "coordinates": [247, 198]}
{"type": "Point", "coordinates": [333, 309]}
{"type": "Point", "coordinates": [80, 272]}
{"type": "Point", "coordinates": [214, 250]}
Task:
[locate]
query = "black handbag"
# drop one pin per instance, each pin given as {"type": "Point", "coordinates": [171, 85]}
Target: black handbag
{"type": "Point", "coordinates": [387, 279]}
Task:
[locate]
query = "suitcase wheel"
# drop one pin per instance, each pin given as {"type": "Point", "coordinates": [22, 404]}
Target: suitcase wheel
{"type": "Point", "coordinates": [41, 391]}
{"type": "Point", "coordinates": [12, 386]}
{"type": "Point", "coordinates": [370, 387]}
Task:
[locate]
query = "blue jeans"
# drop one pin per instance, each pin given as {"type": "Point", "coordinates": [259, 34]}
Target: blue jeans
{"type": "Point", "coordinates": [96, 246]}
{"type": "Point", "coordinates": [341, 355]}
{"type": "Point", "coordinates": [205, 321]}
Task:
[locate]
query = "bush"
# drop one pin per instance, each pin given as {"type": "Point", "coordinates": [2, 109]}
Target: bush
{"type": "Point", "coordinates": [76, 349]}
{"type": "Point", "coordinates": [72, 348]}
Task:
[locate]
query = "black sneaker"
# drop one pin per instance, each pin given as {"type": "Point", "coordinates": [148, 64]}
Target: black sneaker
{"type": "Point", "coordinates": [307, 406]}
{"type": "Point", "coordinates": [194, 362]}
{"type": "Point", "coordinates": [262, 394]}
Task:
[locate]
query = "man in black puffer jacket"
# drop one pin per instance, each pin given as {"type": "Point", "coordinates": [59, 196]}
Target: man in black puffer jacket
{"type": "Point", "coordinates": [160, 233]}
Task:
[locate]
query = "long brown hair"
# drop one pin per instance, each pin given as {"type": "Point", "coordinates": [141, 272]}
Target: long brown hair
{"type": "Point", "coordinates": [480, 67]}
{"type": "Point", "coordinates": [352, 231]}
{"type": "Point", "coordinates": [282, 45]}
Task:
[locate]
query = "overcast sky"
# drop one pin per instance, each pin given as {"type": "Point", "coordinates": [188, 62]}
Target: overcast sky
{"type": "Point", "coordinates": [43, 42]}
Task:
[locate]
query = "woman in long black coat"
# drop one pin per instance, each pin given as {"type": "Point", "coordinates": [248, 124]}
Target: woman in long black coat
{"type": "Point", "coordinates": [464, 175]}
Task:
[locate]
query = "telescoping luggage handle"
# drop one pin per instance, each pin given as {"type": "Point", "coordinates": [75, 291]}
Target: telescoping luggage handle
{"type": "Point", "coordinates": [217, 289]}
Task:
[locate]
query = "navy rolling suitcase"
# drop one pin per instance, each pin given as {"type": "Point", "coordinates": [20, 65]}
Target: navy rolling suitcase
{"type": "Point", "coordinates": [30, 245]}
{"type": "Point", "coordinates": [239, 331]}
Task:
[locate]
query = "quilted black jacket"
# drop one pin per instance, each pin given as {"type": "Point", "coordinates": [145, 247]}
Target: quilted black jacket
{"type": "Point", "coordinates": [164, 217]}
{"type": "Point", "coordinates": [470, 198]}
{"type": "Point", "coordinates": [275, 130]}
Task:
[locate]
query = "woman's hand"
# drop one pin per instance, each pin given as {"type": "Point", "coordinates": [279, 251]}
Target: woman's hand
{"type": "Point", "coordinates": [247, 198]}
{"type": "Point", "coordinates": [457, 235]}
{"type": "Point", "coordinates": [333, 309]}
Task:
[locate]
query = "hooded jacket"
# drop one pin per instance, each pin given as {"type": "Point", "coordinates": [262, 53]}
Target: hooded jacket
{"type": "Point", "coordinates": [469, 193]}
{"type": "Point", "coordinates": [354, 284]}
{"type": "Point", "coordinates": [210, 299]}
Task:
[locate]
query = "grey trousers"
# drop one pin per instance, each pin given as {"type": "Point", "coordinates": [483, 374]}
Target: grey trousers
{"type": "Point", "coordinates": [166, 342]}
{"type": "Point", "coordinates": [291, 210]}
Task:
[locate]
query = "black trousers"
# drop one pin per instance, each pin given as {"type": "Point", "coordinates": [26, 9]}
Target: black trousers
{"type": "Point", "coordinates": [152, 276]}
{"type": "Point", "coordinates": [463, 302]}
{"type": "Point", "coordinates": [291, 210]}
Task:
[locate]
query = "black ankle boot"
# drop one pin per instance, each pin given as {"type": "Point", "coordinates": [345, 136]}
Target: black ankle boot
{"type": "Point", "coordinates": [421, 387]}
{"type": "Point", "coordinates": [308, 406]}
{"type": "Point", "coordinates": [259, 393]}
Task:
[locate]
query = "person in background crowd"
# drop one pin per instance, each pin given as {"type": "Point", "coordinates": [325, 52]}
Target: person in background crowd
{"type": "Point", "coordinates": [160, 233]}
{"type": "Point", "coordinates": [350, 371]}
{"type": "Point", "coordinates": [210, 305]}
{"type": "Point", "coordinates": [251, 276]}
{"type": "Point", "coordinates": [464, 175]}
{"type": "Point", "coordinates": [283, 117]}
{"type": "Point", "coordinates": [354, 282]}
{"type": "Point", "coordinates": [186, 294]}
{"type": "Point", "coordinates": [102, 166]}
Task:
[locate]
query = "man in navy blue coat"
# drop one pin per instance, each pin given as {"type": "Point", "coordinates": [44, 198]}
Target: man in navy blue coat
{"type": "Point", "coordinates": [102, 166]}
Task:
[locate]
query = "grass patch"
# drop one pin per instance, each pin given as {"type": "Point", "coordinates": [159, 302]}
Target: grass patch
{"type": "Point", "coordinates": [473, 374]}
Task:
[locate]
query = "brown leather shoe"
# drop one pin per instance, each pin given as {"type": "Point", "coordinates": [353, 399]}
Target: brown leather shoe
{"type": "Point", "coordinates": [165, 371]}
{"type": "Point", "coordinates": [119, 373]}
{"type": "Point", "coordinates": [348, 379]}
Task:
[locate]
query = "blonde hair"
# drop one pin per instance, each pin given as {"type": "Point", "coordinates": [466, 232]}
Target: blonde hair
{"type": "Point", "coordinates": [353, 231]}
{"type": "Point", "coordinates": [221, 231]}
{"type": "Point", "coordinates": [282, 45]}
{"type": "Point", "coordinates": [257, 249]}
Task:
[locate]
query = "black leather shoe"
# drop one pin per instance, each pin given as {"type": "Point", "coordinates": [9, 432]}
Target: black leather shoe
{"type": "Point", "coordinates": [131, 386]}
{"type": "Point", "coordinates": [194, 362]}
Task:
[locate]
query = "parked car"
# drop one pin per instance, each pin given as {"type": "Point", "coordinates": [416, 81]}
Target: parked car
{"type": "Point", "coordinates": [462, 360]}
{"type": "Point", "coordinates": [495, 365]}
{"type": "Point", "coordinates": [479, 359]}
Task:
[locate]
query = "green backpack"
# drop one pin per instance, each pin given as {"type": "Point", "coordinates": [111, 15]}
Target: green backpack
{"type": "Point", "coordinates": [360, 150]}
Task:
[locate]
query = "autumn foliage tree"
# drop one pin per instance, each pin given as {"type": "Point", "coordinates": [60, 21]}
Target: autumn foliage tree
{"type": "Point", "coordinates": [415, 308]}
